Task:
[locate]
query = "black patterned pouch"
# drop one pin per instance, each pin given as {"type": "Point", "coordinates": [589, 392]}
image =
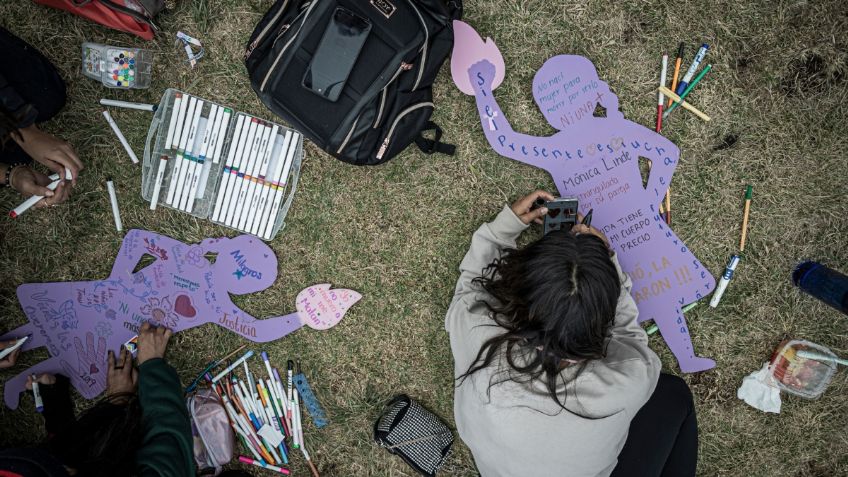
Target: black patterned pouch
{"type": "Point", "coordinates": [417, 435]}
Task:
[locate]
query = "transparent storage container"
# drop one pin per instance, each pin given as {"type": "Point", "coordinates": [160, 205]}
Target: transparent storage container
{"type": "Point", "coordinates": [800, 376]}
{"type": "Point", "coordinates": [116, 66]}
{"type": "Point", "coordinates": [251, 197]}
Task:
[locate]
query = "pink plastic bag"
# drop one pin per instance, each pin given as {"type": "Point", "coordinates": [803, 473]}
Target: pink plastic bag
{"type": "Point", "coordinates": [214, 441]}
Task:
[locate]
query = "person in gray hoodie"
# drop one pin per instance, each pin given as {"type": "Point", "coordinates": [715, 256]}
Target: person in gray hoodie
{"type": "Point", "coordinates": [554, 375]}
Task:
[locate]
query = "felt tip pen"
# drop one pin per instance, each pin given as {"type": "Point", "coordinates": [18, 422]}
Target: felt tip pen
{"type": "Point", "coordinates": [725, 279]}
{"type": "Point", "coordinates": [660, 95]}
{"type": "Point", "coordinates": [264, 465]}
{"type": "Point", "coordinates": [27, 204]}
{"type": "Point", "coordinates": [233, 366]}
{"type": "Point", "coordinates": [11, 349]}
{"type": "Point", "coordinates": [688, 89]}
{"type": "Point", "coordinates": [129, 105]}
{"type": "Point", "coordinates": [113, 200]}
{"type": "Point", "coordinates": [821, 357]}
{"type": "Point", "coordinates": [587, 219]}
{"type": "Point", "coordinates": [690, 73]}
{"type": "Point", "coordinates": [676, 75]}
{"type": "Point", "coordinates": [39, 403]}
{"type": "Point", "coordinates": [120, 135]}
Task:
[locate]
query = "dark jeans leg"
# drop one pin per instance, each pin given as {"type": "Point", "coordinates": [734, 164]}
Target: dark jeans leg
{"type": "Point", "coordinates": [34, 79]}
{"type": "Point", "coordinates": [663, 438]}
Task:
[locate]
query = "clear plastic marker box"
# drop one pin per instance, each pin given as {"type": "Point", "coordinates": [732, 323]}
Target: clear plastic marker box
{"type": "Point", "coordinates": [117, 66]}
{"type": "Point", "coordinates": [226, 187]}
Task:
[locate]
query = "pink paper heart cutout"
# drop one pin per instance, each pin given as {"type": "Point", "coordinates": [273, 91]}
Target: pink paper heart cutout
{"type": "Point", "coordinates": [94, 369]}
{"type": "Point", "coordinates": [183, 306]}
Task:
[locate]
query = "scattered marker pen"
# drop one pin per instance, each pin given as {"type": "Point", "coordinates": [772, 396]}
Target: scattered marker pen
{"type": "Point", "coordinates": [129, 105]}
{"type": "Point", "coordinates": [36, 393]}
{"type": "Point", "coordinates": [120, 135]}
{"type": "Point", "coordinates": [725, 279]}
{"type": "Point", "coordinates": [690, 73]}
{"type": "Point", "coordinates": [27, 204]}
{"type": "Point", "coordinates": [113, 199]}
{"type": "Point", "coordinates": [248, 460]}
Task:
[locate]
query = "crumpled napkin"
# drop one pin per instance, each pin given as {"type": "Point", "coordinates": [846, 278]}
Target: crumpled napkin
{"type": "Point", "coordinates": [759, 390]}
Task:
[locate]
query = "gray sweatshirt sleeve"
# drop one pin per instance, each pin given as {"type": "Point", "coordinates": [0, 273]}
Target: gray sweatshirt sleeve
{"type": "Point", "coordinates": [486, 245]}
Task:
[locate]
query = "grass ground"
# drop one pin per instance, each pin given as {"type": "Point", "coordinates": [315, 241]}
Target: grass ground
{"type": "Point", "coordinates": [397, 232]}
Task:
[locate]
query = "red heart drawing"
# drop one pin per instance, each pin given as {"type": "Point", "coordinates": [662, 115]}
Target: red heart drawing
{"type": "Point", "coordinates": [183, 306]}
{"type": "Point", "coordinates": [94, 369]}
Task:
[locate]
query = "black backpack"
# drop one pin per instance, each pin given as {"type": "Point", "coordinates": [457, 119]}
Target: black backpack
{"type": "Point", "coordinates": [387, 100]}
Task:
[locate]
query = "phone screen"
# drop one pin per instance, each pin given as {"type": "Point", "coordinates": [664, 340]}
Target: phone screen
{"type": "Point", "coordinates": [336, 54]}
{"type": "Point", "coordinates": [562, 214]}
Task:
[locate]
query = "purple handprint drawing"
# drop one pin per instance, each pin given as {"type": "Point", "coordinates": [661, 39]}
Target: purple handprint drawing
{"type": "Point", "coordinates": [596, 159]}
{"type": "Point", "coordinates": [181, 287]}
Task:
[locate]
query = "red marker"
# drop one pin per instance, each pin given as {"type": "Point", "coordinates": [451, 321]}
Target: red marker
{"type": "Point", "coordinates": [661, 98]}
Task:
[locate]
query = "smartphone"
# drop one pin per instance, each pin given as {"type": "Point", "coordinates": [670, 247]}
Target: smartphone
{"type": "Point", "coordinates": [562, 214]}
{"type": "Point", "coordinates": [336, 54]}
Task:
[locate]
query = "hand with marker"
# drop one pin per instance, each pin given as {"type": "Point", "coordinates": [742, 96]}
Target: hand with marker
{"type": "Point", "coordinates": [29, 182]}
{"type": "Point", "coordinates": [152, 342]}
{"type": "Point", "coordinates": [523, 207]}
{"type": "Point", "coordinates": [45, 379]}
{"type": "Point", "coordinates": [581, 228]}
{"type": "Point", "coordinates": [10, 359]}
{"type": "Point", "coordinates": [122, 377]}
{"type": "Point", "coordinates": [54, 153]}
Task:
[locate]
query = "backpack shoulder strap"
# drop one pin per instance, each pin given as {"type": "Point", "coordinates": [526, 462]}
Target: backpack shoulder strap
{"type": "Point", "coordinates": [429, 146]}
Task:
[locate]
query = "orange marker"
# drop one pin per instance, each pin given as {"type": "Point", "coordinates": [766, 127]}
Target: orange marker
{"type": "Point", "coordinates": [676, 70]}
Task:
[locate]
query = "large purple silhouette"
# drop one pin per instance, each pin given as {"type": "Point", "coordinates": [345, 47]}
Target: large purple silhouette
{"type": "Point", "coordinates": [596, 159]}
{"type": "Point", "coordinates": [180, 288]}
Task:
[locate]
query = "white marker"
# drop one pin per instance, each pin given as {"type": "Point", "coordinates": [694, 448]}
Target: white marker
{"type": "Point", "coordinates": [725, 279]}
{"type": "Point", "coordinates": [39, 403]}
{"type": "Point", "coordinates": [157, 186]}
{"type": "Point", "coordinates": [236, 196]}
{"type": "Point", "coordinates": [188, 152]}
{"type": "Point", "coordinates": [18, 343]}
{"type": "Point", "coordinates": [129, 105]}
{"type": "Point", "coordinates": [222, 135]}
{"type": "Point", "coordinates": [228, 164]}
{"type": "Point", "coordinates": [120, 135]}
{"type": "Point", "coordinates": [183, 139]}
{"type": "Point", "coordinates": [281, 187]}
{"type": "Point", "coordinates": [212, 126]}
{"type": "Point", "coordinates": [27, 204]}
{"type": "Point", "coordinates": [263, 185]}
{"type": "Point", "coordinates": [179, 131]}
{"type": "Point", "coordinates": [237, 164]}
{"type": "Point", "coordinates": [113, 198]}
{"type": "Point", "coordinates": [256, 175]}
{"type": "Point", "coordinates": [273, 181]}
{"type": "Point", "coordinates": [243, 200]}
{"type": "Point", "coordinates": [193, 175]}
{"type": "Point", "coordinates": [821, 357]}
{"type": "Point", "coordinates": [233, 366]}
{"type": "Point", "coordinates": [172, 126]}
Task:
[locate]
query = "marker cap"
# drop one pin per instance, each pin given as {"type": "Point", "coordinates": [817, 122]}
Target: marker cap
{"type": "Point", "coordinates": [749, 193]}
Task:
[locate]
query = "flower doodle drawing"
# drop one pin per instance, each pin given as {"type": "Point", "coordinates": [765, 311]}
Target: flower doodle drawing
{"type": "Point", "coordinates": [595, 158]}
{"type": "Point", "coordinates": [165, 282]}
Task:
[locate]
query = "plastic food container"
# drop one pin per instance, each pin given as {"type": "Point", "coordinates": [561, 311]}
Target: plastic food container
{"type": "Point", "coordinates": [116, 66]}
{"type": "Point", "coordinates": [803, 377]}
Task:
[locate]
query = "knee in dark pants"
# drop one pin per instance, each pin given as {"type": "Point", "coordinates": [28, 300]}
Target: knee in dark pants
{"type": "Point", "coordinates": [52, 99]}
{"type": "Point", "coordinates": [676, 390]}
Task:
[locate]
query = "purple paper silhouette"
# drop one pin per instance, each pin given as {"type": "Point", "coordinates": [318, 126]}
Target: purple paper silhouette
{"type": "Point", "coordinates": [182, 288]}
{"type": "Point", "coordinates": [596, 159]}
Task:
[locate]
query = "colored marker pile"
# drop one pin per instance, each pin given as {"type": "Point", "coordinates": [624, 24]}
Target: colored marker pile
{"type": "Point", "coordinates": [258, 159]}
{"type": "Point", "coordinates": [263, 413]}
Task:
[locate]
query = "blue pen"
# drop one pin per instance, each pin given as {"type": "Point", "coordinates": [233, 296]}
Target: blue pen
{"type": "Point", "coordinates": [690, 73]}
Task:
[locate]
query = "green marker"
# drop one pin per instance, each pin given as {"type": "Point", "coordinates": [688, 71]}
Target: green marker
{"type": "Point", "coordinates": [654, 328]}
{"type": "Point", "coordinates": [688, 89]}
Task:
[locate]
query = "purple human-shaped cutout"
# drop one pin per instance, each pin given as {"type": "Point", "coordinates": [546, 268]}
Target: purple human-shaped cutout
{"type": "Point", "coordinates": [179, 288]}
{"type": "Point", "coordinates": [596, 160]}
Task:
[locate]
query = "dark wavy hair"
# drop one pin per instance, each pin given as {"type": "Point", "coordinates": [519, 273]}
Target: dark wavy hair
{"type": "Point", "coordinates": [556, 300]}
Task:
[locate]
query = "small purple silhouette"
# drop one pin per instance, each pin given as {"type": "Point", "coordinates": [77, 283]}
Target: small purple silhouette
{"type": "Point", "coordinates": [181, 288]}
{"type": "Point", "coordinates": [596, 159]}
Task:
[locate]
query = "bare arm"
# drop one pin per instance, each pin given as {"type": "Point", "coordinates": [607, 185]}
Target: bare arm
{"type": "Point", "coordinates": [503, 139]}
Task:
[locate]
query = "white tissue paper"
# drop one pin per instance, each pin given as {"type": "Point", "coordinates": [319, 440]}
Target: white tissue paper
{"type": "Point", "coordinates": [760, 391]}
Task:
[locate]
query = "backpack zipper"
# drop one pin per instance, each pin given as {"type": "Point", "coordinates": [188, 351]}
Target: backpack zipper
{"type": "Point", "coordinates": [349, 134]}
{"type": "Point", "coordinates": [285, 47]}
{"type": "Point", "coordinates": [265, 30]}
{"type": "Point", "coordinates": [403, 67]}
{"type": "Point", "coordinates": [403, 113]}
{"type": "Point", "coordinates": [423, 47]}
{"type": "Point", "coordinates": [140, 17]}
